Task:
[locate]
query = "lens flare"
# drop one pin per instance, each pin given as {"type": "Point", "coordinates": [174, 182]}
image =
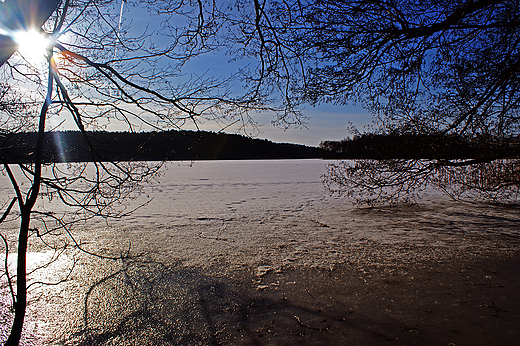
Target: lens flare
{"type": "Point", "coordinates": [32, 45]}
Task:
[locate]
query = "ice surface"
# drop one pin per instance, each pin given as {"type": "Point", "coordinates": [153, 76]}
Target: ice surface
{"type": "Point", "coordinates": [277, 213]}
{"type": "Point", "coordinates": [268, 216]}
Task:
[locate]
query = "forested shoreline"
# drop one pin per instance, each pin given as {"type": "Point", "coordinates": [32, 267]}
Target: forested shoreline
{"type": "Point", "coordinates": [422, 146]}
{"type": "Point", "coordinates": [75, 146]}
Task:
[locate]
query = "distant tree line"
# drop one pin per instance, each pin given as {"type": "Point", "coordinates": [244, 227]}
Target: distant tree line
{"type": "Point", "coordinates": [423, 146]}
{"type": "Point", "coordinates": [76, 146]}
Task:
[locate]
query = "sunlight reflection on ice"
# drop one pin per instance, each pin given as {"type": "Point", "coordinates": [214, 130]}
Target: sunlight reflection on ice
{"type": "Point", "coordinates": [44, 268]}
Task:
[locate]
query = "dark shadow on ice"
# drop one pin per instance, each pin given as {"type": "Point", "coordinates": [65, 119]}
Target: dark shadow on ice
{"type": "Point", "coordinates": [150, 303]}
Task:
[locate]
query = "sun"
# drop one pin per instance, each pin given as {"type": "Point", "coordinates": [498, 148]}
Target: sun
{"type": "Point", "coordinates": [32, 45]}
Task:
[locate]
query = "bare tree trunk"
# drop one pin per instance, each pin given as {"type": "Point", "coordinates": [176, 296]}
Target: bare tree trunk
{"type": "Point", "coordinates": [21, 281]}
{"type": "Point", "coordinates": [20, 305]}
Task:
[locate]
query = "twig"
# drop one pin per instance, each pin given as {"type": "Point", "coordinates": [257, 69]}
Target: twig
{"type": "Point", "coordinates": [8, 210]}
{"type": "Point", "coordinates": [496, 309]}
{"type": "Point", "coordinates": [309, 327]}
{"type": "Point", "coordinates": [6, 264]}
{"type": "Point", "coordinates": [214, 238]}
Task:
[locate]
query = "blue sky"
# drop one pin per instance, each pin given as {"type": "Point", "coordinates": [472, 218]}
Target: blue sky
{"type": "Point", "coordinates": [325, 122]}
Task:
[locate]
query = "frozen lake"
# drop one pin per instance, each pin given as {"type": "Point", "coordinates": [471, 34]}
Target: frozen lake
{"type": "Point", "coordinates": [220, 217]}
{"type": "Point", "coordinates": [230, 190]}
{"type": "Point", "coordinates": [276, 211]}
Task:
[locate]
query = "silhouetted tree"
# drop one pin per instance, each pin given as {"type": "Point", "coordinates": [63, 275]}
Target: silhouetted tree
{"type": "Point", "coordinates": [99, 69]}
{"type": "Point", "coordinates": [446, 67]}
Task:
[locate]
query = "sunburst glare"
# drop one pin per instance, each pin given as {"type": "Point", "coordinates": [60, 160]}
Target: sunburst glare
{"type": "Point", "coordinates": [32, 45]}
